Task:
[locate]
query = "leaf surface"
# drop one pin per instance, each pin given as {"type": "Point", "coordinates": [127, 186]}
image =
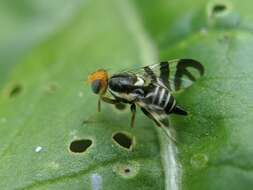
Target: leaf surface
{"type": "Point", "coordinates": [51, 134]}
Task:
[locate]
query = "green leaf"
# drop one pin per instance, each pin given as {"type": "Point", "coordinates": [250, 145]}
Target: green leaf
{"type": "Point", "coordinates": [25, 25]}
{"type": "Point", "coordinates": [45, 106]}
{"type": "Point", "coordinates": [215, 139]}
{"type": "Point", "coordinates": [52, 136]}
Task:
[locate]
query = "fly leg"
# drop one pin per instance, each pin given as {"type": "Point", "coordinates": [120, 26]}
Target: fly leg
{"type": "Point", "coordinates": [160, 122]}
{"type": "Point", "coordinates": [99, 105]}
{"type": "Point", "coordinates": [107, 100]}
{"type": "Point", "coordinates": [150, 116]}
{"type": "Point", "coordinates": [163, 123]}
{"type": "Point", "coordinates": [133, 110]}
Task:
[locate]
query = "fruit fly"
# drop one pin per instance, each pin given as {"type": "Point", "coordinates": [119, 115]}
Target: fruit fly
{"type": "Point", "coordinates": [150, 87]}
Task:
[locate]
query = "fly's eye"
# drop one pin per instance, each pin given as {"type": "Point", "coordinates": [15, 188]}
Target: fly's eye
{"type": "Point", "coordinates": [96, 86]}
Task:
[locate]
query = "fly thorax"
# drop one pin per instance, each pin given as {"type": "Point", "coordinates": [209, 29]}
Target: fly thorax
{"type": "Point", "coordinates": [140, 82]}
{"type": "Point", "coordinates": [122, 86]}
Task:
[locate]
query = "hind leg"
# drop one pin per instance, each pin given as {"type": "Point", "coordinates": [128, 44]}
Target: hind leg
{"type": "Point", "coordinates": [133, 110]}
{"type": "Point", "coordinates": [149, 115]}
{"type": "Point", "coordinates": [162, 122]}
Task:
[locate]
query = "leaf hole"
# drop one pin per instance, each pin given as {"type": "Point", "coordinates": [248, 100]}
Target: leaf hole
{"type": "Point", "coordinates": [219, 8]}
{"type": "Point", "coordinates": [14, 90]}
{"type": "Point", "coordinates": [123, 140]}
{"type": "Point", "coordinates": [127, 170]}
{"type": "Point", "coordinates": [52, 87]}
{"type": "Point", "coordinates": [79, 146]}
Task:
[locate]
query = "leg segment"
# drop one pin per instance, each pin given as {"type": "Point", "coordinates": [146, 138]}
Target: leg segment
{"type": "Point", "coordinates": [163, 123]}
{"type": "Point", "coordinates": [107, 100]}
{"type": "Point", "coordinates": [133, 110]}
{"type": "Point", "coordinates": [99, 105]}
{"type": "Point", "coordinates": [150, 116]}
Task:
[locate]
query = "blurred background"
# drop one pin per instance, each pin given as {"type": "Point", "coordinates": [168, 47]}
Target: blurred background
{"type": "Point", "coordinates": [27, 24]}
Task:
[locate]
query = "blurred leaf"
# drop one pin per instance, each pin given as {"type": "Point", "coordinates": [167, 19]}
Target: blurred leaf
{"type": "Point", "coordinates": [45, 107]}
{"type": "Point", "coordinates": [46, 112]}
{"type": "Point", "coordinates": [215, 139]}
{"type": "Point", "coordinates": [26, 24]}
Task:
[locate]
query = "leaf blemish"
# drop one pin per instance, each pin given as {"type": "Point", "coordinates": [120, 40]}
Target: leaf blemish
{"type": "Point", "coordinates": [53, 165]}
{"type": "Point", "coordinates": [79, 146]}
{"type": "Point", "coordinates": [199, 160]}
{"type": "Point", "coordinates": [218, 8]}
{"type": "Point", "coordinates": [123, 140]}
{"type": "Point", "coordinates": [14, 90]}
{"type": "Point", "coordinates": [52, 87]}
{"type": "Point", "coordinates": [127, 170]}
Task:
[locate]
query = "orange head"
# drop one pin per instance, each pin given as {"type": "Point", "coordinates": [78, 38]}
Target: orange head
{"type": "Point", "coordinates": [99, 81]}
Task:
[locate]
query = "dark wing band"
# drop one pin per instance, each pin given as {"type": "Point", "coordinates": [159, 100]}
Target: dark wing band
{"type": "Point", "coordinates": [174, 74]}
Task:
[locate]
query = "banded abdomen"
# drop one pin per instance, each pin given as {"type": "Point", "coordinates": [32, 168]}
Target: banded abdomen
{"type": "Point", "coordinates": [160, 100]}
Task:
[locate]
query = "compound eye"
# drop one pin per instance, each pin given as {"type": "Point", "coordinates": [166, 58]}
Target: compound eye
{"type": "Point", "coordinates": [96, 86]}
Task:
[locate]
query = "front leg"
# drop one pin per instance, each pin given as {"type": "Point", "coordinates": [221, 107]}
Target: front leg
{"type": "Point", "coordinates": [107, 100]}
{"type": "Point", "coordinates": [133, 110]}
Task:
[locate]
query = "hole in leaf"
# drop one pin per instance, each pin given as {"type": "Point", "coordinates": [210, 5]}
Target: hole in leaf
{"type": "Point", "coordinates": [123, 140]}
{"type": "Point", "coordinates": [52, 87]}
{"type": "Point", "coordinates": [79, 146]}
{"type": "Point", "coordinates": [219, 8]}
{"type": "Point", "coordinates": [14, 90]}
{"type": "Point", "coordinates": [127, 170]}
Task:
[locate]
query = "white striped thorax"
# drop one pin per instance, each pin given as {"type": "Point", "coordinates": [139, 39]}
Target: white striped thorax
{"type": "Point", "coordinates": [140, 81]}
{"type": "Point", "coordinates": [132, 84]}
{"type": "Point", "coordinates": [129, 97]}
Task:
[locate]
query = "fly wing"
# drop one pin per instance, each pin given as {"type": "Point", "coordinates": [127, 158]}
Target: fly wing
{"type": "Point", "coordinates": [161, 120]}
{"type": "Point", "coordinates": [173, 74]}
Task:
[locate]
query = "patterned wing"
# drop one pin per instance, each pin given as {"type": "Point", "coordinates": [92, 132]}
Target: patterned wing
{"type": "Point", "coordinates": [174, 74]}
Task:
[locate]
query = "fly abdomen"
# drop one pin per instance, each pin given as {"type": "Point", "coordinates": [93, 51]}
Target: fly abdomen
{"type": "Point", "coordinates": [161, 99]}
{"type": "Point", "coordinates": [169, 104]}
